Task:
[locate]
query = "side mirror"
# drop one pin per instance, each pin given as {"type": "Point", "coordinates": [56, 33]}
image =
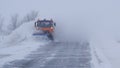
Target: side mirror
{"type": "Point", "coordinates": [54, 24]}
{"type": "Point", "coordinates": [35, 24]}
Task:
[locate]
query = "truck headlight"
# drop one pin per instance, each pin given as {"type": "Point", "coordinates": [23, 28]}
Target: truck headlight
{"type": "Point", "coordinates": [51, 28]}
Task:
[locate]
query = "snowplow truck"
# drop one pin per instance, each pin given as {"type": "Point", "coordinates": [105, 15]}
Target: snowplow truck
{"type": "Point", "coordinates": [46, 26]}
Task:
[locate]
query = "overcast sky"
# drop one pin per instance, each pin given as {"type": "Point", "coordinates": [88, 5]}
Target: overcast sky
{"type": "Point", "coordinates": [90, 16]}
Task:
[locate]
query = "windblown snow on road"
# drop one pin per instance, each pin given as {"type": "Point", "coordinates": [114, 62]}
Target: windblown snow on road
{"type": "Point", "coordinates": [19, 44]}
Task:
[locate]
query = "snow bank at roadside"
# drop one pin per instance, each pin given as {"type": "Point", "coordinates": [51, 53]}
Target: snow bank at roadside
{"type": "Point", "coordinates": [99, 60]}
{"type": "Point", "coordinates": [105, 52]}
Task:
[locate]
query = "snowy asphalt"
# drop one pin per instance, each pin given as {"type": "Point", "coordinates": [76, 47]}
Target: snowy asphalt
{"type": "Point", "coordinates": [56, 55]}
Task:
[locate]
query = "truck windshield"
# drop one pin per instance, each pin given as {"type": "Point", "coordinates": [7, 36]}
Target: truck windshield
{"type": "Point", "coordinates": [44, 24]}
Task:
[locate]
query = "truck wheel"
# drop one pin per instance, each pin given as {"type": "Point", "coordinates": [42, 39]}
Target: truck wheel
{"type": "Point", "coordinates": [50, 36]}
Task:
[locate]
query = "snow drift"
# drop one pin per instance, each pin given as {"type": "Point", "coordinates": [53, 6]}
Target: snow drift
{"type": "Point", "coordinates": [19, 44]}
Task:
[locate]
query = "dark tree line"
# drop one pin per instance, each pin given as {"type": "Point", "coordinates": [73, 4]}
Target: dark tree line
{"type": "Point", "coordinates": [16, 22]}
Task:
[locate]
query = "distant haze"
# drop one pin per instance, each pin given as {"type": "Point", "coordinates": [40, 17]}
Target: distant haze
{"type": "Point", "coordinates": [75, 18]}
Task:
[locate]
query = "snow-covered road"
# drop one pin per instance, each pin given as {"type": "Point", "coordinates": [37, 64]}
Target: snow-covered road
{"type": "Point", "coordinates": [56, 55]}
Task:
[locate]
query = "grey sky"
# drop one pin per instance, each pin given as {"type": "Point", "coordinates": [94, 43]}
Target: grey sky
{"type": "Point", "coordinates": [93, 16]}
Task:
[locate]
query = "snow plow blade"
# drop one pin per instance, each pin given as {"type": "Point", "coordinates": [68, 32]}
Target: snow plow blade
{"type": "Point", "coordinates": [39, 34]}
{"type": "Point", "coordinates": [49, 36]}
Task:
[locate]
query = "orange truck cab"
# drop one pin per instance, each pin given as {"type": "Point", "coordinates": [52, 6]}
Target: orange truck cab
{"type": "Point", "coordinates": [45, 25]}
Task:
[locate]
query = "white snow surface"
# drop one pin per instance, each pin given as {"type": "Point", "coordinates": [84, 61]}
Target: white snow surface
{"type": "Point", "coordinates": [19, 44]}
{"type": "Point", "coordinates": [90, 16]}
{"type": "Point", "coordinates": [105, 52]}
